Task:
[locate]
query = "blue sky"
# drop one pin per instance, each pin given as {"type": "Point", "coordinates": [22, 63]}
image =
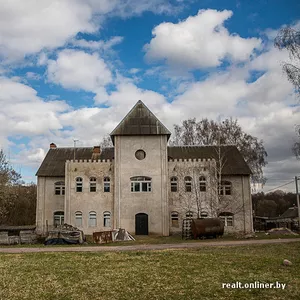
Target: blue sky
{"type": "Point", "coordinates": [72, 69]}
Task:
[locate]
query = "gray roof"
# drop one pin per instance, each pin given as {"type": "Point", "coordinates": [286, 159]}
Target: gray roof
{"type": "Point", "coordinates": [53, 164]}
{"type": "Point", "coordinates": [140, 121]}
{"type": "Point", "coordinates": [234, 163]}
{"type": "Point", "coordinates": [291, 212]}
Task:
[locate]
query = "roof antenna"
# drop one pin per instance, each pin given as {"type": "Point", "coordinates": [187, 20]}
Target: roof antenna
{"type": "Point", "coordinates": [75, 147]}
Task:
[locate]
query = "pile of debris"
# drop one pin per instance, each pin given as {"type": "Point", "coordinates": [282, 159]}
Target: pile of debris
{"type": "Point", "coordinates": [282, 231]}
{"type": "Point", "coordinates": [116, 235]}
{"type": "Point", "coordinates": [65, 234]}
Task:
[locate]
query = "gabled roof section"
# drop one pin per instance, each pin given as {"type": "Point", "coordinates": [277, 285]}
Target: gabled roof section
{"type": "Point", "coordinates": [53, 164]}
{"type": "Point", "coordinates": [140, 121]}
{"type": "Point", "coordinates": [234, 163]}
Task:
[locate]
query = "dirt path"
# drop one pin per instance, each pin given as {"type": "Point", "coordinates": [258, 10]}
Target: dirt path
{"type": "Point", "coordinates": [100, 248]}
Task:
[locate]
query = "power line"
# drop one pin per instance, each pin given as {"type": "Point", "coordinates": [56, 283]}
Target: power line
{"type": "Point", "coordinates": [280, 186]}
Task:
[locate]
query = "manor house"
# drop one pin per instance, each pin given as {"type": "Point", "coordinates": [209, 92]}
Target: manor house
{"type": "Point", "coordinates": [142, 184]}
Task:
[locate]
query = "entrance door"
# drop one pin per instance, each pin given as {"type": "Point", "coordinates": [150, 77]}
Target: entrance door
{"type": "Point", "coordinates": [141, 224]}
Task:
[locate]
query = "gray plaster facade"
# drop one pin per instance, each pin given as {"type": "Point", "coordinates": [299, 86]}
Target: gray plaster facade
{"type": "Point", "coordinates": [117, 188]}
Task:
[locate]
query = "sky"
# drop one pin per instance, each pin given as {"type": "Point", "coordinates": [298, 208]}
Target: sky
{"type": "Point", "coordinates": [72, 69]}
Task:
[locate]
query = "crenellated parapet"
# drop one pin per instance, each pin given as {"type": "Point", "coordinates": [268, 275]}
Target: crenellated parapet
{"type": "Point", "coordinates": [90, 161]}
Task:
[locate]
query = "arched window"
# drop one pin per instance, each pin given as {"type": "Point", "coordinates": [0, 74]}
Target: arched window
{"type": "Point", "coordinates": [203, 215]}
{"type": "Point", "coordinates": [106, 219]}
{"type": "Point", "coordinates": [92, 219]}
{"type": "Point", "coordinates": [106, 184]}
{"type": "Point", "coordinates": [225, 188]}
{"type": "Point", "coordinates": [173, 184]}
{"type": "Point", "coordinates": [202, 183]}
{"type": "Point", "coordinates": [140, 184]}
{"type": "Point", "coordinates": [58, 218]}
{"type": "Point", "coordinates": [174, 219]}
{"type": "Point", "coordinates": [226, 218]}
{"type": "Point", "coordinates": [78, 219]}
{"type": "Point", "coordinates": [78, 184]}
{"type": "Point", "coordinates": [188, 183]}
{"type": "Point", "coordinates": [59, 188]}
{"type": "Point", "coordinates": [189, 215]}
{"type": "Point", "coordinates": [93, 184]}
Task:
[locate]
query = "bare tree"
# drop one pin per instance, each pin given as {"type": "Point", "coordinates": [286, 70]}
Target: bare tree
{"type": "Point", "coordinates": [289, 39]}
{"type": "Point", "coordinates": [209, 132]}
{"type": "Point", "coordinates": [106, 142]}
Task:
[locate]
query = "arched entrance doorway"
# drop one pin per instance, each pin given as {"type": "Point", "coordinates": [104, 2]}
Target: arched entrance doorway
{"type": "Point", "coordinates": [141, 224]}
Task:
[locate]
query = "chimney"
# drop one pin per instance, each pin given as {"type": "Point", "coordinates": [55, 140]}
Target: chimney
{"type": "Point", "coordinates": [97, 149]}
{"type": "Point", "coordinates": [52, 146]}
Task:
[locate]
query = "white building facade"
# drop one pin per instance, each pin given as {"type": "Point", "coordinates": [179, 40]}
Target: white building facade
{"type": "Point", "coordinates": [142, 184]}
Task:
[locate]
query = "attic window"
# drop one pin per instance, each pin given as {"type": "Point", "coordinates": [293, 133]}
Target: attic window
{"type": "Point", "coordinates": [140, 154]}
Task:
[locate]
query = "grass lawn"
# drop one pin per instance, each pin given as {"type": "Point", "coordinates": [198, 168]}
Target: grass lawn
{"type": "Point", "coordinates": [167, 274]}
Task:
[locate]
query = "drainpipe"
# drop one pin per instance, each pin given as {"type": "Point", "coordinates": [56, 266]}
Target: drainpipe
{"type": "Point", "coordinates": [243, 195]}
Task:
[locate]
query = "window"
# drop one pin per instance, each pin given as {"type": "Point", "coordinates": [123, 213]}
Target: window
{"type": "Point", "coordinates": [225, 188]}
{"type": "Point", "coordinates": [188, 183]}
{"type": "Point", "coordinates": [189, 215]}
{"type": "Point", "coordinates": [59, 188]}
{"type": "Point", "coordinates": [173, 184]}
{"type": "Point", "coordinates": [106, 219]}
{"type": "Point", "coordinates": [226, 218]}
{"type": "Point", "coordinates": [140, 184]}
{"type": "Point", "coordinates": [202, 183]}
{"type": "Point", "coordinates": [78, 219]}
{"type": "Point", "coordinates": [140, 154]}
{"type": "Point", "coordinates": [58, 217]}
{"type": "Point", "coordinates": [174, 219]}
{"type": "Point", "coordinates": [93, 184]}
{"type": "Point", "coordinates": [92, 219]}
{"type": "Point", "coordinates": [203, 215]}
{"type": "Point", "coordinates": [78, 184]}
{"type": "Point", "coordinates": [106, 184]}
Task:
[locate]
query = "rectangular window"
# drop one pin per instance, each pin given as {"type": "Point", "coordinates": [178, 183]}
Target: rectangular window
{"type": "Point", "coordinates": [173, 187]}
{"type": "Point", "coordinates": [93, 187]}
{"type": "Point", "coordinates": [78, 221]}
{"type": "Point", "coordinates": [106, 187]}
{"type": "Point", "coordinates": [79, 187]}
{"type": "Point", "coordinates": [62, 190]}
{"type": "Point", "coordinates": [188, 186]}
{"type": "Point", "coordinates": [202, 187]}
{"type": "Point", "coordinates": [57, 190]}
{"type": "Point", "coordinates": [229, 221]}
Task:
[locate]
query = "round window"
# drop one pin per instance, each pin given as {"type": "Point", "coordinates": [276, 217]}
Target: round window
{"type": "Point", "coordinates": [140, 154]}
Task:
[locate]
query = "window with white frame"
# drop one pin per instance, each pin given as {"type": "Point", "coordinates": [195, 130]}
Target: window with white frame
{"type": "Point", "coordinates": [174, 219]}
{"type": "Point", "coordinates": [202, 183]}
{"type": "Point", "coordinates": [106, 219]}
{"type": "Point", "coordinates": [106, 184]}
{"type": "Point", "coordinates": [93, 184]}
{"type": "Point", "coordinates": [92, 219]}
{"type": "Point", "coordinates": [78, 219]}
{"type": "Point", "coordinates": [203, 215]}
{"type": "Point", "coordinates": [174, 184]}
{"type": "Point", "coordinates": [226, 218]}
{"type": "Point", "coordinates": [78, 184]}
{"type": "Point", "coordinates": [188, 183]}
{"type": "Point", "coordinates": [59, 188]}
{"type": "Point", "coordinates": [140, 184]}
{"type": "Point", "coordinates": [58, 218]}
{"type": "Point", "coordinates": [189, 215]}
{"type": "Point", "coordinates": [225, 188]}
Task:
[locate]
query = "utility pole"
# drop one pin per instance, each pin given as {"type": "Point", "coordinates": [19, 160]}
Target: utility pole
{"type": "Point", "coordinates": [298, 204]}
{"type": "Point", "coordinates": [75, 147]}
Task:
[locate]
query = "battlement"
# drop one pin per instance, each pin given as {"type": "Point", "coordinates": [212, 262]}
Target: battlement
{"type": "Point", "coordinates": [192, 160]}
{"type": "Point", "coordinates": [90, 161]}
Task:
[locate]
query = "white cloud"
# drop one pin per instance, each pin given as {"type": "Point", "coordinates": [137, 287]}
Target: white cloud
{"type": "Point", "coordinates": [26, 27]}
{"type": "Point", "coordinates": [198, 42]}
{"type": "Point", "coordinates": [98, 45]}
{"type": "Point", "coordinates": [33, 76]}
{"type": "Point", "coordinates": [79, 70]}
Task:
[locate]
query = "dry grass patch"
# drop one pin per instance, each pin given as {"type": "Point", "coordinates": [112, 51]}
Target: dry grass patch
{"type": "Point", "coordinates": [167, 274]}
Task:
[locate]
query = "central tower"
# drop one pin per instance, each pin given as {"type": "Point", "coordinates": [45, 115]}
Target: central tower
{"type": "Point", "coordinates": [141, 173]}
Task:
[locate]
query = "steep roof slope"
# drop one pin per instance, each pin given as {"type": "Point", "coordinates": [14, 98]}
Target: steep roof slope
{"type": "Point", "coordinates": [54, 162]}
{"type": "Point", "coordinates": [140, 121]}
